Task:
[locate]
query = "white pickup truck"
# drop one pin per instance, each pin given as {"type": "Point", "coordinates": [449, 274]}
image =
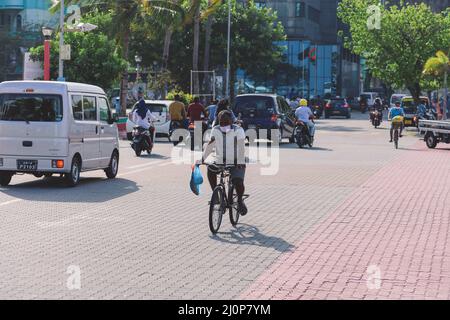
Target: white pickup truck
{"type": "Point", "coordinates": [435, 131]}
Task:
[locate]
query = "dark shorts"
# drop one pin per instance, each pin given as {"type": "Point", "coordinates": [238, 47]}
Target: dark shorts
{"type": "Point", "coordinates": [237, 172]}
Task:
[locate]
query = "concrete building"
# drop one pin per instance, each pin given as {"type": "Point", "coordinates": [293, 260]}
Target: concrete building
{"type": "Point", "coordinates": [20, 28]}
{"type": "Point", "coordinates": [320, 65]}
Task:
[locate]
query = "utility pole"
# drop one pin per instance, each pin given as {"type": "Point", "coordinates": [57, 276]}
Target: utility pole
{"type": "Point", "coordinates": [61, 42]}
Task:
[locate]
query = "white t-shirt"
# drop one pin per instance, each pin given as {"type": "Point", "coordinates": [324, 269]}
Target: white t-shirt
{"type": "Point", "coordinates": [146, 122]}
{"type": "Point", "coordinates": [230, 146]}
{"type": "Point", "coordinates": [303, 114]}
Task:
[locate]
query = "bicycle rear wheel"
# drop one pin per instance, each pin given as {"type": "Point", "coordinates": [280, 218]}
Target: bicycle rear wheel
{"type": "Point", "coordinates": [216, 209]}
{"type": "Point", "coordinates": [233, 206]}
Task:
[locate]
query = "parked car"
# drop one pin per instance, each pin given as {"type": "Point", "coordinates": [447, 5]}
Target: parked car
{"type": "Point", "coordinates": [160, 109]}
{"type": "Point", "coordinates": [410, 108]}
{"type": "Point", "coordinates": [337, 107]}
{"type": "Point", "coordinates": [56, 128]}
{"type": "Point", "coordinates": [265, 111]}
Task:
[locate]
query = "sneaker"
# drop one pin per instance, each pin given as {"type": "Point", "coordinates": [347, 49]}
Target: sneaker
{"type": "Point", "coordinates": [401, 135]}
{"type": "Point", "coordinates": [242, 208]}
{"type": "Point", "coordinates": [390, 140]}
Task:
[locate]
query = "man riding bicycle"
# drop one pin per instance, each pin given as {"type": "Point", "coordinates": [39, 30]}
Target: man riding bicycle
{"type": "Point", "coordinates": [228, 141]}
{"type": "Point", "coordinates": [396, 111]}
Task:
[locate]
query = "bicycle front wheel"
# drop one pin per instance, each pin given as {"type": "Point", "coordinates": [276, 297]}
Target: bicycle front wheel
{"type": "Point", "coordinates": [233, 206]}
{"type": "Point", "coordinates": [216, 209]}
{"type": "Point", "coordinates": [396, 138]}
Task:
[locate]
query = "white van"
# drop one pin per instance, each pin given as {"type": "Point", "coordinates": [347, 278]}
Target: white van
{"type": "Point", "coordinates": [370, 97]}
{"type": "Point", "coordinates": [396, 97]}
{"type": "Point", "coordinates": [56, 128]}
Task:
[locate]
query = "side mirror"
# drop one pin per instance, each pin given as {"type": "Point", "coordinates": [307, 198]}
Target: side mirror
{"type": "Point", "coordinates": [115, 117]}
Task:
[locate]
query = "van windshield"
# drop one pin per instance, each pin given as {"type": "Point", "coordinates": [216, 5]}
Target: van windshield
{"type": "Point", "coordinates": [31, 107]}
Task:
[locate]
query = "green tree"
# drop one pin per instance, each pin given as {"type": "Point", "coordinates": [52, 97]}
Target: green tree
{"type": "Point", "coordinates": [124, 14]}
{"type": "Point", "coordinates": [397, 51]}
{"type": "Point", "coordinates": [94, 59]}
{"type": "Point", "coordinates": [254, 36]}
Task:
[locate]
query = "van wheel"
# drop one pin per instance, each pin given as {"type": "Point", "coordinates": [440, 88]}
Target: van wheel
{"type": "Point", "coordinates": [111, 171]}
{"type": "Point", "coordinates": [73, 177]}
{"type": "Point", "coordinates": [5, 179]}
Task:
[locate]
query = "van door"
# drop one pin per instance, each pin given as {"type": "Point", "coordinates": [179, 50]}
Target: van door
{"type": "Point", "coordinates": [85, 115]}
{"type": "Point", "coordinates": [108, 132]}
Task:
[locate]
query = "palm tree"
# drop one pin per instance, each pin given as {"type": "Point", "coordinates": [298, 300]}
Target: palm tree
{"type": "Point", "coordinates": [439, 66]}
{"type": "Point", "coordinates": [125, 13]}
{"type": "Point", "coordinates": [194, 15]}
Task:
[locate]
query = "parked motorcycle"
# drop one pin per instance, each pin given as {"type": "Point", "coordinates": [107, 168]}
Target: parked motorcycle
{"type": "Point", "coordinates": [302, 136]}
{"type": "Point", "coordinates": [376, 118]}
{"type": "Point", "coordinates": [142, 140]}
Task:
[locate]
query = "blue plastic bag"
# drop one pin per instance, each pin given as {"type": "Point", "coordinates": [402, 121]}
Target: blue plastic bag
{"type": "Point", "coordinates": [196, 180]}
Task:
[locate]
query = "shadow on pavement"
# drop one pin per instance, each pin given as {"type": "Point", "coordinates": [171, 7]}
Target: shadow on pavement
{"type": "Point", "coordinates": [92, 190]}
{"type": "Point", "coordinates": [245, 234]}
{"type": "Point", "coordinates": [295, 146]}
{"type": "Point", "coordinates": [339, 128]}
{"type": "Point", "coordinates": [154, 156]}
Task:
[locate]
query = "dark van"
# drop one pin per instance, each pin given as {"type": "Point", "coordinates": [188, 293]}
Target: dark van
{"type": "Point", "coordinates": [266, 111]}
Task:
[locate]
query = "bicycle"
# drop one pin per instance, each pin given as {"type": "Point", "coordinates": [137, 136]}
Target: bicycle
{"type": "Point", "coordinates": [397, 124]}
{"type": "Point", "coordinates": [221, 200]}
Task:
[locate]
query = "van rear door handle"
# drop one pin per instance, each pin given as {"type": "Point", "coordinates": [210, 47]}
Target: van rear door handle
{"type": "Point", "coordinates": [96, 129]}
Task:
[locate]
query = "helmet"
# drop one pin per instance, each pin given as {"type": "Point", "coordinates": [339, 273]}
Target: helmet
{"type": "Point", "coordinates": [303, 103]}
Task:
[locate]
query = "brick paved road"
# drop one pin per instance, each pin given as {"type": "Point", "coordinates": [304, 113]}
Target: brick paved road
{"type": "Point", "coordinates": [145, 236]}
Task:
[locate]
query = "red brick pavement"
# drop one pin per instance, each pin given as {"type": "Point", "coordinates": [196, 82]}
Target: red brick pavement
{"type": "Point", "coordinates": [397, 221]}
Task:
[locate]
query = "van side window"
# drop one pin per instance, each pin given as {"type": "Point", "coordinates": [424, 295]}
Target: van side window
{"type": "Point", "coordinates": [77, 107]}
{"type": "Point", "coordinates": [105, 112]}
{"type": "Point", "coordinates": [89, 109]}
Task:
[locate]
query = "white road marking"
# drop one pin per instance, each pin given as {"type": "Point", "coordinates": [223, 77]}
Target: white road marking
{"type": "Point", "coordinates": [10, 202]}
{"type": "Point", "coordinates": [145, 165]}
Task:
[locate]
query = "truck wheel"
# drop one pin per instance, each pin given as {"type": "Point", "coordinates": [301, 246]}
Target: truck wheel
{"type": "Point", "coordinates": [73, 177]}
{"type": "Point", "coordinates": [5, 179]}
{"type": "Point", "coordinates": [431, 140]}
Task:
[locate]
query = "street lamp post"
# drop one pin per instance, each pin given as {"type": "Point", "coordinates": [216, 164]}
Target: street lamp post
{"type": "Point", "coordinates": [47, 32]}
{"type": "Point", "coordinates": [228, 51]}
{"type": "Point", "coordinates": [61, 42]}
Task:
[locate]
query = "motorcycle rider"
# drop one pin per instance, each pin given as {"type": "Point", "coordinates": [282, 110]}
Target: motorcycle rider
{"type": "Point", "coordinates": [143, 118]}
{"type": "Point", "coordinates": [196, 112]}
{"type": "Point", "coordinates": [394, 112]}
{"type": "Point", "coordinates": [422, 110]}
{"type": "Point", "coordinates": [177, 112]}
{"type": "Point", "coordinates": [378, 105]}
{"type": "Point", "coordinates": [304, 114]}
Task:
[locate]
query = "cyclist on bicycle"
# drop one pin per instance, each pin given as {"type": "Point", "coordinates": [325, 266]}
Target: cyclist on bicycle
{"type": "Point", "coordinates": [396, 112]}
{"type": "Point", "coordinates": [228, 141]}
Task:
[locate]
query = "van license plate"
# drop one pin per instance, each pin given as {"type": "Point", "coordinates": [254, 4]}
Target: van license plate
{"type": "Point", "coordinates": [27, 165]}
